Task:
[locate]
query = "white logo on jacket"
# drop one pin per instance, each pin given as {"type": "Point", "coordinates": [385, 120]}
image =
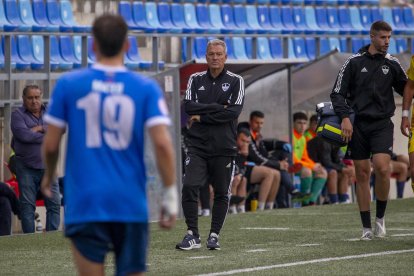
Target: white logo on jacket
{"type": "Point", "coordinates": [385, 69]}
{"type": "Point", "coordinates": [225, 86]}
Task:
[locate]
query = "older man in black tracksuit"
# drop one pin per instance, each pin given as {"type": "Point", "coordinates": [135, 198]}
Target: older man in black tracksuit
{"type": "Point", "coordinates": [213, 100]}
{"type": "Point", "coordinates": [365, 83]}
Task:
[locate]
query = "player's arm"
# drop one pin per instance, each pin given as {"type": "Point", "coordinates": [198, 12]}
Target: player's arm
{"type": "Point", "coordinates": [407, 98]}
{"type": "Point", "coordinates": [50, 152]}
{"type": "Point", "coordinates": [164, 154]}
{"type": "Point", "coordinates": [22, 132]}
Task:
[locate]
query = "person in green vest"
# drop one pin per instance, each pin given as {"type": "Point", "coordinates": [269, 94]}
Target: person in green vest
{"type": "Point", "coordinates": [312, 175]}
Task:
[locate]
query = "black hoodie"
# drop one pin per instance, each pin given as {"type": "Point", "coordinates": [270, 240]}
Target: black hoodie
{"type": "Point", "coordinates": [365, 83]}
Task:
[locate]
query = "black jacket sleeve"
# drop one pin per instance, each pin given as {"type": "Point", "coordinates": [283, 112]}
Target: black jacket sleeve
{"type": "Point", "coordinates": [258, 158]}
{"type": "Point", "coordinates": [340, 90]}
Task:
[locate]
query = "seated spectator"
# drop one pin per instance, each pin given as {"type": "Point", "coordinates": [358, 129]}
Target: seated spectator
{"type": "Point", "coordinates": [399, 168]}
{"type": "Point", "coordinates": [339, 175]}
{"type": "Point", "coordinates": [310, 133]}
{"type": "Point", "coordinates": [312, 175]}
{"type": "Point", "coordinates": [259, 154]}
{"type": "Point", "coordinates": [8, 204]}
{"type": "Point", "coordinates": [267, 179]}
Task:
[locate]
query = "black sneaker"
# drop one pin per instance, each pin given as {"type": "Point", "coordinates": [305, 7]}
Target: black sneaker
{"type": "Point", "coordinates": [212, 242]}
{"type": "Point", "coordinates": [189, 242]}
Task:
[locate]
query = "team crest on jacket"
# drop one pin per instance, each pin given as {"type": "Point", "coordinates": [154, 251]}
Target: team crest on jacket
{"type": "Point", "coordinates": [385, 69]}
{"type": "Point", "coordinates": [225, 86]}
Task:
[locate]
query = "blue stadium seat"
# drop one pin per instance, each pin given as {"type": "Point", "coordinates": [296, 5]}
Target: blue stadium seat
{"type": "Point", "coordinates": [230, 50]}
{"type": "Point", "coordinates": [355, 17]}
{"type": "Point", "coordinates": [13, 16]}
{"type": "Point", "coordinates": [15, 58]}
{"type": "Point", "coordinates": [392, 48]}
{"type": "Point", "coordinates": [184, 50]}
{"type": "Point", "coordinates": [249, 47]}
{"type": "Point", "coordinates": [366, 17]}
{"type": "Point", "coordinates": [264, 20]}
{"type": "Point", "coordinates": [77, 47]}
{"type": "Point", "coordinates": [25, 52]}
{"type": "Point", "coordinates": [324, 46]}
{"type": "Point", "coordinates": [275, 15]}
{"type": "Point", "coordinates": [376, 14]}
{"type": "Point", "coordinates": [357, 43]}
{"type": "Point", "coordinates": [139, 17]}
{"type": "Point", "coordinates": [239, 48]}
{"type": "Point", "coordinates": [164, 16]}
{"type": "Point", "coordinates": [401, 44]}
{"type": "Point", "coordinates": [38, 49]}
{"type": "Point", "coordinates": [39, 15]}
{"type": "Point", "coordinates": [253, 21]}
{"type": "Point", "coordinates": [343, 45]}
{"type": "Point", "coordinates": [200, 46]}
{"type": "Point", "coordinates": [125, 10]}
{"type": "Point", "coordinates": [408, 17]}
{"type": "Point", "coordinates": [310, 19]}
{"type": "Point", "coordinates": [262, 2]}
{"type": "Point", "coordinates": [300, 21]}
{"type": "Point", "coordinates": [299, 47]}
{"type": "Point", "coordinates": [67, 50]}
{"type": "Point", "coordinates": [227, 15]}
{"type": "Point", "coordinates": [177, 17]}
{"type": "Point", "coordinates": [55, 56]}
{"type": "Point", "coordinates": [344, 18]}
{"type": "Point", "coordinates": [322, 20]}
{"type": "Point", "coordinates": [91, 53]}
{"type": "Point", "coordinates": [26, 15]}
{"type": "Point", "coordinates": [334, 43]}
{"type": "Point", "coordinates": [190, 18]}
{"type": "Point", "coordinates": [203, 16]}
{"type": "Point", "coordinates": [287, 19]}
{"type": "Point", "coordinates": [398, 16]}
{"type": "Point", "coordinates": [66, 14]}
{"type": "Point", "coordinates": [263, 49]}
{"type": "Point", "coordinates": [291, 49]}
{"type": "Point", "coordinates": [216, 21]}
{"type": "Point", "coordinates": [4, 23]}
{"type": "Point", "coordinates": [2, 58]}
{"type": "Point", "coordinates": [240, 18]}
{"type": "Point", "coordinates": [134, 55]}
{"type": "Point", "coordinates": [53, 14]}
{"type": "Point", "coordinates": [151, 16]}
{"type": "Point", "coordinates": [239, 2]}
{"type": "Point", "coordinates": [276, 47]}
{"type": "Point", "coordinates": [310, 47]}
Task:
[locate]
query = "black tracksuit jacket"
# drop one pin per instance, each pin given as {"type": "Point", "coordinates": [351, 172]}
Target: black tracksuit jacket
{"type": "Point", "coordinates": [365, 83]}
{"type": "Point", "coordinates": [219, 102]}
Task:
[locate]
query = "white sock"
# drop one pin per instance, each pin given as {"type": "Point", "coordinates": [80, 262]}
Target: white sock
{"type": "Point", "coordinates": [241, 209]}
{"type": "Point", "coordinates": [269, 205]}
{"type": "Point", "coordinates": [261, 206]}
{"type": "Point", "coordinates": [233, 209]}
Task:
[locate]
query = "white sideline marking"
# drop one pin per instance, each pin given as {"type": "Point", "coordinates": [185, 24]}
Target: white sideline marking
{"type": "Point", "coordinates": [324, 260]}
{"type": "Point", "coordinates": [401, 229]}
{"type": "Point", "coordinates": [265, 228]}
{"type": "Point", "coordinates": [309, 244]}
{"type": "Point", "coordinates": [201, 257]}
{"type": "Point", "coordinates": [354, 239]}
{"type": "Point", "coordinates": [402, 235]}
{"type": "Point", "coordinates": [257, 250]}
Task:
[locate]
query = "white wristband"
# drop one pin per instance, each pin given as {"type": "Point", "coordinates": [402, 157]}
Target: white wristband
{"type": "Point", "coordinates": [406, 113]}
{"type": "Point", "coordinates": [169, 199]}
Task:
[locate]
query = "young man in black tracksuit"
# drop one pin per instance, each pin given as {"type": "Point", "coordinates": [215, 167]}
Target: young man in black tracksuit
{"type": "Point", "coordinates": [213, 100]}
{"type": "Point", "coordinates": [365, 83]}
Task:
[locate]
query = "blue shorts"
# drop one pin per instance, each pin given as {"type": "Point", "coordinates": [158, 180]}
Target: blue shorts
{"type": "Point", "coordinates": [129, 242]}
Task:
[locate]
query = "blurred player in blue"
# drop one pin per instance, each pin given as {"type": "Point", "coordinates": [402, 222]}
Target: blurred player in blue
{"type": "Point", "coordinates": [106, 110]}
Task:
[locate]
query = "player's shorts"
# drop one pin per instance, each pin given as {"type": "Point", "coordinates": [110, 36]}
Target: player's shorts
{"type": "Point", "coordinates": [129, 242]}
{"type": "Point", "coordinates": [370, 137]}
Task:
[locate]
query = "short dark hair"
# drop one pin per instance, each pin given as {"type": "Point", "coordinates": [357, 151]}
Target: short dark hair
{"type": "Point", "coordinates": [30, 87]}
{"type": "Point", "coordinates": [244, 131]}
{"type": "Point", "coordinates": [380, 25]}
{"type": "Point", "coordinates": [299, 116]}
{"type": "Point", "coordinates": [313, 118]}
{"type": "Point", "coordinates": [257, 114]}
{"type": "Point", "coordinates": [109, 32]}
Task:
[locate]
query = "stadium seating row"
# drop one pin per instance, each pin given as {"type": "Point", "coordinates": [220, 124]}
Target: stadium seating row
{"type": "Point", "coordinates": [201, 18]}
{"type": "Point", "coordinates": [298, 47]}
{"type": "Point", "coordinates": [38, 16]}
{"type": "Point", "coordinates": [283, 2]}
{"type": "Point", "coordinates": [27, 53]}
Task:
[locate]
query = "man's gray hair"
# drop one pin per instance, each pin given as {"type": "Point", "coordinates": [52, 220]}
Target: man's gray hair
{"type": "Point", "coordinates": [30, 87]}
{"type": "Point", "coordinates": [217, 42]}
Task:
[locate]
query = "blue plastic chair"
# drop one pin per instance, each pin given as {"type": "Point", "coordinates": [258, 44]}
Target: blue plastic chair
{"type": "Point", "coordinates": [310, 47]}
{"type": "Point", "coordinates": [324, 46]}
{"type": "Point", "coordinates": [408, 17]}
{"type": "Point", "coordinates": [299, 47]}
{"type": "Point", "coordinates": [203, 17]}
{"type": "Point", "coordinates": [275, 16]}
{"type": "Point", "coordinates": [355, 18]}
{"type": "Point", "coordinates": [399, 22]}
{"type": "Point", "coordinates": [55, 54]}
{"type": "Point", "coordinates": [13, 16]}
{"type": "Point", "coordinates": [216, 22]}
{"type": "Point", "coordinates": [366, 17]}
{"type": "Point", "coordinates": [200, 46]}
{"type": "Point", "coordinates": [344, 17]}
{"type": "Point", "coordinates": [39, 15]}
{"type": "Point", "coordinates": [25, 52]}
{"type": "Point", "coordinates": [291, 49]}
{"type": "Point", "coordinates": [357, 43]}
{"type": "Point", "coordinates": [248, 41]}
{"type": "Point", "coordinates": [334, 43]}
{"type": "Point", "coordinates": [401, 45]}
{"type": "Point", "coordinates": [125, 10]}
{"type": "Point", "coordinates": [134, 55]}
{"type": "Point", "coordinates": [392, 48]}
{"type": "Point", "coordinates": [67, 51]}
{"type": "Point", "coordinates": [230, 50]}
{"type": "Point", "coordinates": [164, 16]}
{"type": "Point", "coordinates": [5, 25]}
{"type": "Point", "coordinates": [38, 49]}
{"type": "Point", "coordinates": [139, 18]}
{"type": "Point", "coordinates": [151, 15]}
{"type": "Point", "coordinates": [253, 21]}
{"type": "Point", "coordinates": [177, 17]}
{"type": "Point", "coordinates": [300, 21]}
{"type": "Point", "coordinates": [287, 19]}
{"type": "Point", "coordinates": [77, 47]}
{"type": "Point", "coordinates": [310, 18]}
{"type": "Point", "coordinates": [376, 14]}
{"type": "Point", "coordinates": [53, 14]}
{"type": "Point", "coordinates": [276, 48]}
{"type": "Point", "coordinates": [184, 50]}
{"type": "Point", "coordinates": [26, 15]}
{"type": "Point", "coordinates": [227, 15]}
{"type": "Point", "coordinates": [263, 49]}
{"type": "Point", "coordinates": [322, 20]}
{"type": "Point", "coordinates": [239, 48]}
{"type": "Point", "coordinates": [240, 18]}
{"type": "Point", "coordinates": [264, 20]}
{"type": "Point", "coordinates": [68, 19]}
{"type": "Point", "coordinates": [190, 18]}
{"type": "Point", "coordinates": [388, 17]}
{"type": "Point", "coordinates": [17, 62]}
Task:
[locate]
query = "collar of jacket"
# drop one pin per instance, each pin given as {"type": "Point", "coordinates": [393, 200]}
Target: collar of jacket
{"type": "Point", "coordinates": [364, 51]}
{"type": "Point", "coordinates": [222, 73]}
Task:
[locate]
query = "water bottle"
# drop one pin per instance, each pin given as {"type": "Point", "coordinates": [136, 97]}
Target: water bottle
{"type": "Point", "coordinates": [296, 184]}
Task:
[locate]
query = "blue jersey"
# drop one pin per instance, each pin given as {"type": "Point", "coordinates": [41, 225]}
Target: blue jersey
{"type": "Point", "coordinates": [106, 111]}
